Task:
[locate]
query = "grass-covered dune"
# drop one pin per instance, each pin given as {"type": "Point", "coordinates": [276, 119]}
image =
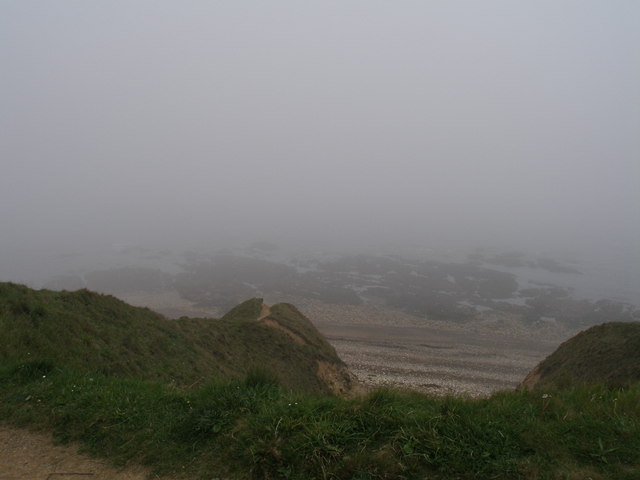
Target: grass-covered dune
{"type": "Point", "coordinates": [607, 353]}
{"type": "Point", "coordinates": [91, 369]}
{"type": "Point", "coordinates": [87, 331]}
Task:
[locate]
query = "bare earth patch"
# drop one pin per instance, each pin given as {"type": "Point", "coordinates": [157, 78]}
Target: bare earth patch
{"type": "Point", "coordinates": [26, 455]}
{"type": "Point", "coordinates": [265, 311]}
{"type": "Point", "coordinates": [292, 335]}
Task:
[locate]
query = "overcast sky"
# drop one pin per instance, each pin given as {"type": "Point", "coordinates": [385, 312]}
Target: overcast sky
{"type": "Point", "coordinates": [479, 122]}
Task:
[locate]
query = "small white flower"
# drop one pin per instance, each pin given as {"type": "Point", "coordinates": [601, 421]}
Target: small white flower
{"type": "Point", "coordinates": [44, 376]}
{"type": "Point", "coordinates": [546, 395]}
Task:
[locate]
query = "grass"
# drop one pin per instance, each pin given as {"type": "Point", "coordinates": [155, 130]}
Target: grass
{"type": "Point", "coordinates": [249, 310]}
{"type": "Point", "coordinates": [255, 429]}
{"type": "Point", "coordinates": [607, 353]}
{"type": "Point", "coordinates": [88, 331]}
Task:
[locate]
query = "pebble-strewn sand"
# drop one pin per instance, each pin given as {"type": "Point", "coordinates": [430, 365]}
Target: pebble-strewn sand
{"type": "Point", "coordinates": [383, 346]}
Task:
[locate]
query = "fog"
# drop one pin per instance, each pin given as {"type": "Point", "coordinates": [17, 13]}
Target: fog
{"type": "Point", "coordinates": [337, 125]}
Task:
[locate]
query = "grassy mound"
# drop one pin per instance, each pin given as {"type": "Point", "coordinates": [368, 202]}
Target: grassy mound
{"type": "Point", "coordinates": [87, 331]}
{"type": "Point", "coordinates": [607, 353]}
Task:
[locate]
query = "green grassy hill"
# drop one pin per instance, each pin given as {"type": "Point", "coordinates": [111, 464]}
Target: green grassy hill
{"type": "Point", "coordinates": [607, 353]}
{"type": "Point", "coordinates": [92, 332]}
{"type": "Point", "coordinates": [91, 369]}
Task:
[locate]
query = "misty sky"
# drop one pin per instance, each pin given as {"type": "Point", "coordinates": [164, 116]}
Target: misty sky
{"type": "Point", "coordinates": [480, 122]}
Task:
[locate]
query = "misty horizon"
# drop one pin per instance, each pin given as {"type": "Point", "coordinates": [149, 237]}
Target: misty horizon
{"type": "Point", "coordinates": [343, 126]}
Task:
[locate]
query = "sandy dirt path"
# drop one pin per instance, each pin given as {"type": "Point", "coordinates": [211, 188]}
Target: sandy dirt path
{"type": "Point", "coordinates": [26, 455]}
{"type": "Point", "coordinates": [265, 311]}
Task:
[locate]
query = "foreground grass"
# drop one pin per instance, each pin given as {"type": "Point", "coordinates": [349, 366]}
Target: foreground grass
{"type": "Point", "coordinates": [253, 429]}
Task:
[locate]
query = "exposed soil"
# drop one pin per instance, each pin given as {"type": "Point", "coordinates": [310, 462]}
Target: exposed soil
{"type": "Point", "coordinates": [26, 455]}
{"type": "Point", "coordinates": [265, 311]}
{"type": "Point", "coordinates": [532, 379]}
{"type": "Point", "coordinates": [339, 380]}
{"type": "Point", "coordinates": [292, 335]}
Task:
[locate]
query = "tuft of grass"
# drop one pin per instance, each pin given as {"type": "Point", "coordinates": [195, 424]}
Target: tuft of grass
{"type": "Point", "coordinates": [260, 376]}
